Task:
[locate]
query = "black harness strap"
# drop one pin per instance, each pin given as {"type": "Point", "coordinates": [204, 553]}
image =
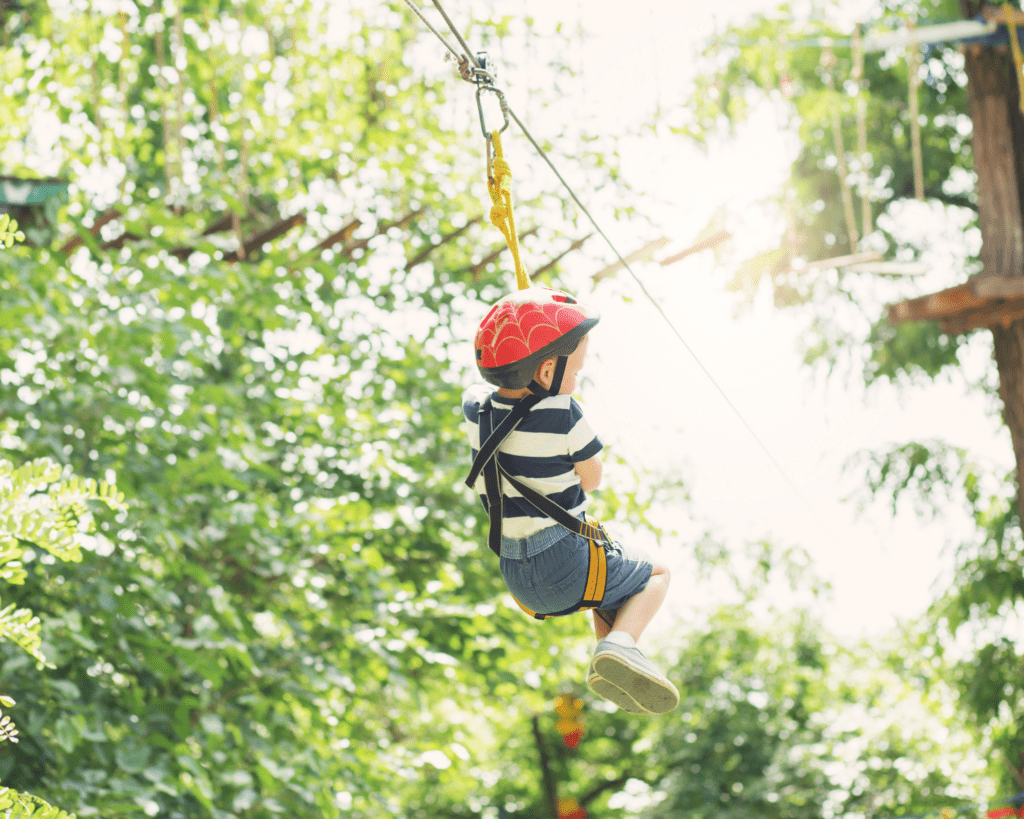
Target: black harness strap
{"type": "Point", "coordinates": [556, 378]}
{"type": "Point", "coordinates": [553, 510]}
{"type": "Point", "coordinates": [487, 461]}
{"type": "Point", "coordinates": [492, 440]}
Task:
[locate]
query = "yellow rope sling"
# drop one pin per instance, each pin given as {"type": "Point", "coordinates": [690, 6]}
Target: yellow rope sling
{"type": "Point", "coordinates": [499, 185]}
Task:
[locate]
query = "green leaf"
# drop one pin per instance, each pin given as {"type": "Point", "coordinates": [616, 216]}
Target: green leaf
{"type": "Point", "coordinates": [132, 756]}
{"type": "Point", "coordinates": [65, 735]}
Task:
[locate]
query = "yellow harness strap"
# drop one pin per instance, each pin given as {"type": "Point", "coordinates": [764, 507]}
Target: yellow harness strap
{"type": "Point", "coordinates": [597, 576]}
{"type": "Point", "coordinates": [1018, 58]}
{"type": "Point", "coordinates": [499, 185]}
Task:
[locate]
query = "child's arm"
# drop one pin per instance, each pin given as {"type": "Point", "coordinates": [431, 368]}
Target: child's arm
{"type": "Point", "coordinates": [589, 472]}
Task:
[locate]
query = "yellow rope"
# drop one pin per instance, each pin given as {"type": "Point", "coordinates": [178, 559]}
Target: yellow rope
{"type": "Point", "coordinates": [499, 185]}
{"type": "Point", "coordinates": [1018, 58]}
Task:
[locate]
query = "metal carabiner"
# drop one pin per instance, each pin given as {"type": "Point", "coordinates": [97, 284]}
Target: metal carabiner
{"type": "Point", "coordinates": [480, 108]}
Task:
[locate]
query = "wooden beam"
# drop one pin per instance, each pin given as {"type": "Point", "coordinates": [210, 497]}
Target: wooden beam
{"type": "Point", "coordinates": [997, 15]}
{"type": "Point", "coordinates": [257, 240]}
{"type": "Point", "coordinates": [982, 301]}
{"type": "Point", "coordinates": [936, 306]}
{"type": "Point", "coordinates": [843, 261]}
{"type": "Point", "coordinates": [644, 254]}
{"type": "Point", "coordinates": [221, 224]}
{"type": "Point", "coordinates": [421, 257]}
{"type": "Point", "coordinates": [103, 219]}
{"type": "Point", "coordinates": [344, 236]}
{"type": "Point", "coordinates": [992, 287]}
{"type": "Point", "coordinates": [572, 248]}
{"type": "Point", "coordinates": [889, 268]}
{"type": "Point", "coordinates": [479, 266]}
{"type": "Point", "coordinates": [711, 241]}
{"type": "Point", "coordinates": [380, 230]}
{"type": "Point", "coordinates": [1002, 315]}
{"type": "Point", "coordinates": [928, 34]}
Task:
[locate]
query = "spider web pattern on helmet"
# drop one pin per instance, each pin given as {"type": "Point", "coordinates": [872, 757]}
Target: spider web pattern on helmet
{"type": "Point", "coordinates": [517, 331]}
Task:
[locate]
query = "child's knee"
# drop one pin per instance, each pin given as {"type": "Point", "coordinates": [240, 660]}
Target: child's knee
{"type": "Point", "coordinates": [661, 571]}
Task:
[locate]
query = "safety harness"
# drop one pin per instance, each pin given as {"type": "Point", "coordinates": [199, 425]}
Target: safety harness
{"type": "Point", "coordinates": [487, 461]}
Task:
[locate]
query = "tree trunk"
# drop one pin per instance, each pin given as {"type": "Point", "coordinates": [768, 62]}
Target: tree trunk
{"type": "Point", "coordinates": [547, 776]}
{"type": "Point", "coordinates": [998, 139]}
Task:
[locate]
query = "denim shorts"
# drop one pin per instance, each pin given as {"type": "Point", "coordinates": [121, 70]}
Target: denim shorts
{"type": "Point", "coordinates": [547, 572]}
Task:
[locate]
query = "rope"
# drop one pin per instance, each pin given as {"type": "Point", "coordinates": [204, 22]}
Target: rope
{"type": "Point", "coordinates": [1018, 58]}
{"type": "Point", "coordinates": [828, 61]}
{"type": "Point", "coordinates": [862, 133]}
{"type": "Point", "coordinates": [455, 31]}
{"type": "Point", "coordinates": [462, 60]}
{"type": "Point", "coordinates": [499, 186]}
{"type": "Point", "coordinates": [913, 71]}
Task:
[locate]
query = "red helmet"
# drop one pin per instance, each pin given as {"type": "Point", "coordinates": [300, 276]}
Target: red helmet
{"type": "Point", "coordinates": [525, 328]}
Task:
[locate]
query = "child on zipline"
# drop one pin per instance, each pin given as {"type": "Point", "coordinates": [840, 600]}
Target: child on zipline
{"type": "Point", "coordinates": [534, 459]}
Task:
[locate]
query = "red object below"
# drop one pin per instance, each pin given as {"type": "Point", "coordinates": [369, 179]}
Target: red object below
{"type": "Point", "coordinates": [572, 739]}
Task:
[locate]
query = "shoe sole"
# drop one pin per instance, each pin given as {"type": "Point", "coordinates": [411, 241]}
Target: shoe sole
{"type": "Point", "coordinates": [649, 693]}
{"type": "Point", "coordinates": [614, 694]}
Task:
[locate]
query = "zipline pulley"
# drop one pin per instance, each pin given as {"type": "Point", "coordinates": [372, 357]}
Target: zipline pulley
{"type": "Point", "coordinates": [484, 72]}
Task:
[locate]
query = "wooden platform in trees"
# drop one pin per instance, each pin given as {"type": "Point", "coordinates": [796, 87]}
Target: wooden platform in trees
{"type": "Point", "coordinates": [262, 225]}
{"type": "Point", "coordinates": [983, 301]}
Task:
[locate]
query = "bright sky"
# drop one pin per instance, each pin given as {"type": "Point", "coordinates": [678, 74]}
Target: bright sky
{"type": "Point", "coordinates": [650, 399]}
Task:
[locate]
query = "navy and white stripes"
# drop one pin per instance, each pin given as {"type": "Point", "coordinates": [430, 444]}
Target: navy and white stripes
{"type": "Point", "coordinates": [542, 451]}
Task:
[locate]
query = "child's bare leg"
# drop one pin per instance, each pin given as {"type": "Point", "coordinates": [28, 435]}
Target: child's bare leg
{"type": "Point", "coordinates": [601, 627]}
{"type": "Point", "coordinates": [636, 613]}
{"type": "Point", "coordinates": [619, 672]}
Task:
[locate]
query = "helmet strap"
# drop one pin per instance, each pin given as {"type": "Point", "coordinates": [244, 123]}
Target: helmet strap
{"type": "Point", "coordinates": [556, 379]}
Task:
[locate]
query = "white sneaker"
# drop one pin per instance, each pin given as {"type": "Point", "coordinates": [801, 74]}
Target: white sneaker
{"type": "Point", "coordinates": [606, 690]}
{"type": "Point", "coordinates": [627, 678]}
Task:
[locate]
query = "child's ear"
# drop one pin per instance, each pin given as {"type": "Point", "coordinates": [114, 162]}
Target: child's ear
{"type": "Point", "coordinates": [545, 372]}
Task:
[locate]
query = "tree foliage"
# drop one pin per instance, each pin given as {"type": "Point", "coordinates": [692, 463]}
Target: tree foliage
{"type": "Point", "coordinates": [299, 601]}
{"type": "Point", "coordinates": [42, 510]}
{"type": "Point", "coordinates": [297, 616]}
{"type": "Point", "coordinates": [23, 806]}
{"type": "Point", "coordinates": [42, 507]}
{"type": "Point", "coordinates": [9, 233]}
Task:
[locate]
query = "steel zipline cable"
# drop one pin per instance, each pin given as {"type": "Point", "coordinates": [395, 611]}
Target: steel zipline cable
{"type": "Point", "coordinates": [474, 75]}
{"type": "Point", "coordinates": [436, 33]}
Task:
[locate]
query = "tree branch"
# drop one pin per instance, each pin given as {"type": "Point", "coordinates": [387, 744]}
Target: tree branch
{"type": "Point", "coordinates": [547, 777]}
{"type": "Point", "coordinates": [423, 254]}
{"type": "Point", "coordinates": [607, 785]}
{"type": "Point", "coordinates": [946, 199]}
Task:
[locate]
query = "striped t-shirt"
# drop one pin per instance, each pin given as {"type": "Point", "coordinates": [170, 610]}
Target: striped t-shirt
{"type": "Point", "coordinates": [542, 451]}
